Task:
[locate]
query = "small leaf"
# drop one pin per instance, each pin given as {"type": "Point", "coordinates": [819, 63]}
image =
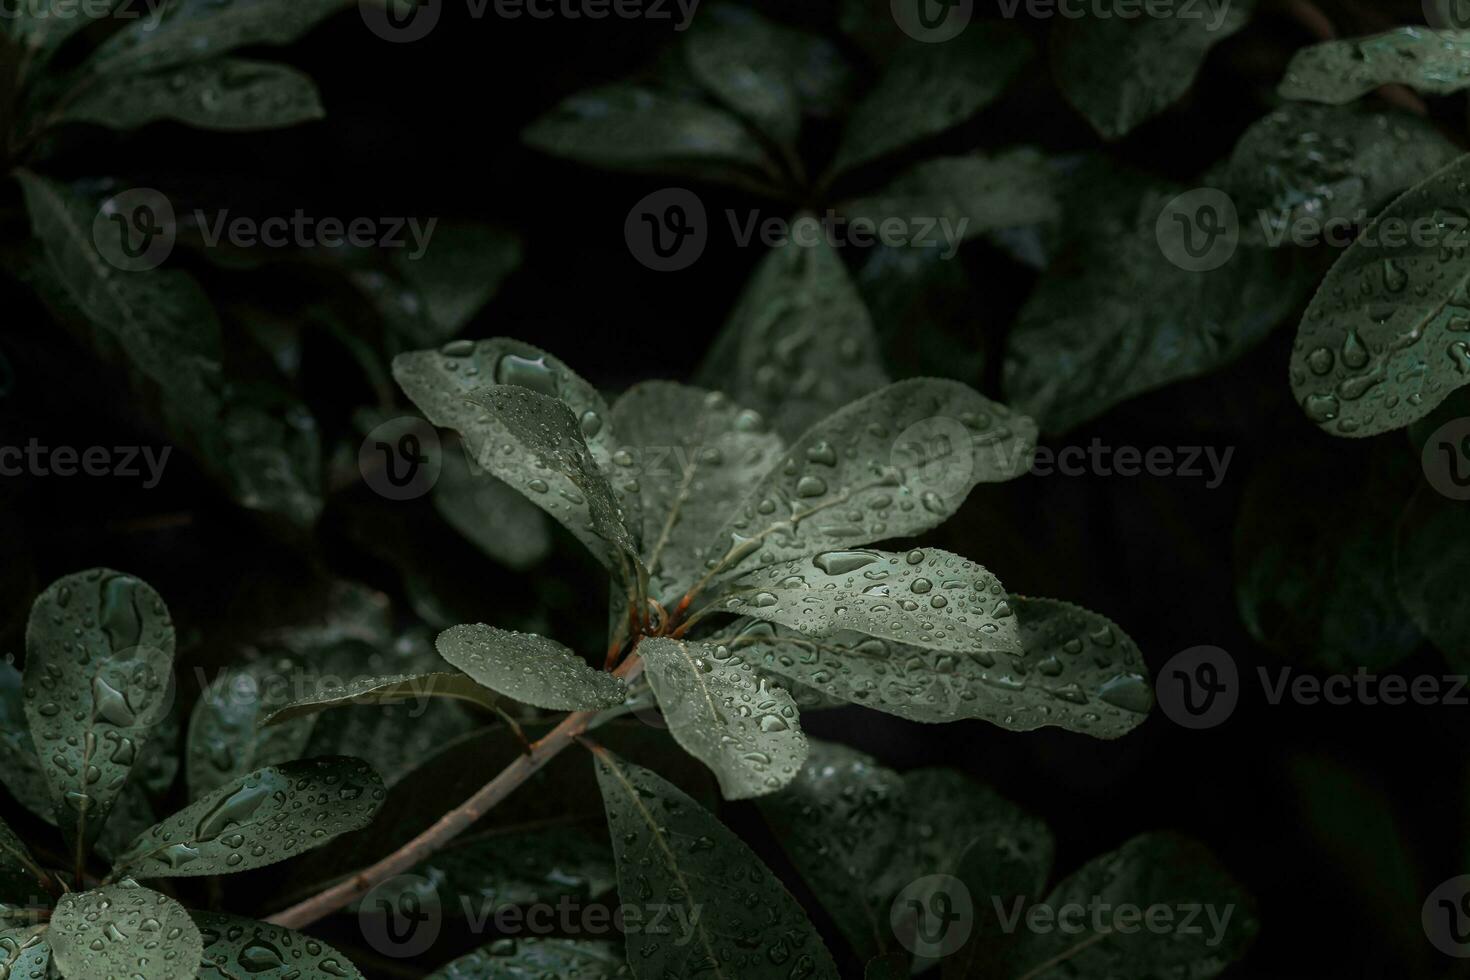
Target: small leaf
{"type": "Point", "coordinates": [1328, 165]}
{"type": "Point", "coordinates": [498, 520]}
{"type": "Point", "coordinates": [1430, 557]}
{"type": "Point", "coordinates": [640, 130]}
{"type": "Point", "coordinates": [1119, 70]}
{"type": "Point", "coordinates": [726, 715]}
{"type": "Point", "coordinates": [268, 816]}
{"type": "Point", "coordinates": [99, 662]}
{"type": "Point", "coordinates": [531, 669]}
{"type": "Point", "coordinates": [892, 464]}
{"type": "Point", "coordinates": [1337, 72]}
{"type": "Point", "coordinates": [510, 959]}
{"type": "Point", "coordinates": [966, 195]}
{"type": "Point", "coordinates": [225, 741]}
{"type": "Point", "coordinates": [800, 343]}
{"type": "Point", "coordinates": [396, 689]}
{"type": "Point", "coordinates": [694, 454]}
{"type": "Point", "coordinates": [1380, 344]}
{"type": "Point", "coordinates": [123, 930]}
{"type": "Point", "coordinates": [230, 94]}
{"type": "Point", "coordinates": [731, 916]}
{"type": "Point", "coordinates": [197, 30]}
{"type": "Point", "coordinates": [924, 597]}
{"type": "Point", "coordinates": [736, 54]}
{"type": "Point", "coordinates": [929, 88]}
{"type": "Point", "coordinates": [232, 943]}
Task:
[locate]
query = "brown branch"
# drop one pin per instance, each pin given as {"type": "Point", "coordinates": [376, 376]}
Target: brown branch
{"type": "Point", "coordinates": [452, 824]}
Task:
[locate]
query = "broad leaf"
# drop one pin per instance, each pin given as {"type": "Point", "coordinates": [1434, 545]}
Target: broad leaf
{"type": "Point", "coordinates": [1314, 166]}
{"type": "Point", "coordinates": [1005, 867]}
{"type": "Point", "coordinates": [397, 689]}
{"type": "Point", "coordinates": [24, 953]}
{"type": "Point", "coordinates": [20, 769]}
{"type": "Point", "coordinates": [532, 441]}
{"type": "Point", "coordinates": [230, 94]}
{"type": "Point", "coordinates": [99, 662]}
{"type": "Point", "coordinates": [924, 597]}
{"type": "Point", "coordinates": [1429, 558]}
{"type": "Point", "coordinates": [726, 715]}
{"type": "Point", "coordinates": [694, 454]}
{"type": "Point", "coordinates": [529, 668]}
{"type": "Point", "coordinates": [495, 518]}
{"type": "Point", "coordinates": [965, 195]}
{"type": "Point", "coordinates": [642, 130]}
{"type": "Point", "coordinates": [1433, 62]}
{"type": "Point", "coordinates": [511, 959]}
{"type": "Point", "coordinates": [893, 464]}
{"type": "Point", "coordinates": [124, 931]}
{"type": "Point", "coordinates": [197, 30]}
{"type": "Point", "coordinates": [799, 344]}
{"type": "Point", "coordinates": [1387, 336]}
{"type": "Point", "coordinates": [928, 88]}
{"type": "Point", "coordinates": [233, 945]}
{"type": "Point", "coordinates": [731, 916]}
{"type": "Point", "coordinates": [268, 816]}
{"type": "Point", "coordinates": [1120, 69]}
{"type": "Point", "coordinates": [225, 740]}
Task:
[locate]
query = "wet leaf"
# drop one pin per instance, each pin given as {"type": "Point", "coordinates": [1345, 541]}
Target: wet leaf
{"type": "Point", "coordinates": [892, 464]}
{"type": "Point", "coordinates": [924, 597]}
{"type": "Point", "coordinates": [99, 662]}
{"type": "Point", "coordinates": [1120, 70]}
{"type": "Point", "coordinates": [531, 669]}
{"type": "Point", "coordinates": [1007, 864]}
{"type": "Point", "coordinates": [1429, 561]}
{"type": "Point", "coordinates": [20, 769]}
{"type": "Point", "coordinates": [225, 740]}
{"type": "Point", "coordinates": [497, 519]}
{"type": "Point", "coordinates": [726, 715]}
{"type": "Point", "coordinates": [1322, 164]}
{"type": "Point", "coordinates": [929, 88]}
{"type": "Point", "coordinates": [24, 953]}
{"type": "Point", "coordinates": [694, 455]}
{"type": "Point", "coordinates": [566, 959]}
{"type": "Point", "coordinates": [738, 55]}
{"type": "Point", "coordinates": [393, 739]}
{"type": "Point", "coordinates": [270, 815]}
{"type": "Point", "coordinates": [1433, 62]}
{"type": "Point", "coordinates": [20, 876]}
{"type": "Point", "coordinates": [397, 689]}
{"type": "Point", "coordinates": [123, 930]}
{"type": "Point", "coordinates": [1387, 337]}
{"type": "Point", "coordinates": [965, 195]}
{"type": "Point", "coordinates": [672, 853]}
{"type": "Point", "coordinates": [233, 944]}
{"type": "Point", "coordinates": [799, 344]}
{"type": "Point", "coordinates": [230, 94]}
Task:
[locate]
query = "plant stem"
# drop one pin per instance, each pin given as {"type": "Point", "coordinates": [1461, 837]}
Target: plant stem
{"type": "Point", "coordinates": [452, 824]}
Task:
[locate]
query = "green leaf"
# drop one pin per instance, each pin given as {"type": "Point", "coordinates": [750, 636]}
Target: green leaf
{"type": "Point", "coordinates": [20, 876]}
{"type": "Point", "coordinates": [225, 740]}
{"type": "Point", "coordinates": [268, 816]}
{"type": "Point", "coordinates": [20, 769]}
{"type": "Point", "coordinates": [1078, 672]}
{"type": "Point", "coordinates": [695, 454]}
{"type": "Point", "coordinates": [123, 930]}
{"type": "Point", "coordinates": [726, 715]}
{"type": "Point", "coordinates": [1115, 317]}
{"type": "Point", "coordinates": [1380, 345]}
{"type": "Point", "coordinates": [44, 25]}
{"type": "Point", "coordinates": [929, 88]}
{"type": "Point", "coordinates": [99, 662]}
{"type": "Point", "coordinates": [463, 266]}
{"type": "Point", "coordinates": [924, 597]}
{"type": "Point", "coordinates": [671, 853]}
{"type": "Point", "coordinates": [512, 959]}
{"type": "Point", "coordinates": [531, 669]}
{"type": "Point", "coordinates": [24, 953]}
{"type": "Point", "coordinates": [393, 738]}
{"type": "Point", "coordinates": [799, 344]}
{"type": "Point", "coordinates": [1337, 72]}
{"type": "Point", "coordinates": [233, 944]}
{"type": "Point", "coordinates": [630, 128]}
{"type": "Point", "coordinates": [966, 195]}
{"type": "Point", "coordinates": [1119, 70]}
{"type": "Point", "coordinates": [494, 517]}
{"type": "Point", "coordinates": [892, 464]}
{"type": "Point", "coordinates": [1429, 560]}
{"type": "Point", "coordinates": [198, 30]}
{"type": "Point", "coordinates": [231, 94]}
{"type": "Point", "coordinates": [396, 689]}
{"type": "Point", "coordinates": [1004, 865]}
{"type": "Point", "coordinates": [738, 56]}
{"type": "Point", "coordinates": [532, 441]}
{"type": "Point", "coordinates": [1327, 164]}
